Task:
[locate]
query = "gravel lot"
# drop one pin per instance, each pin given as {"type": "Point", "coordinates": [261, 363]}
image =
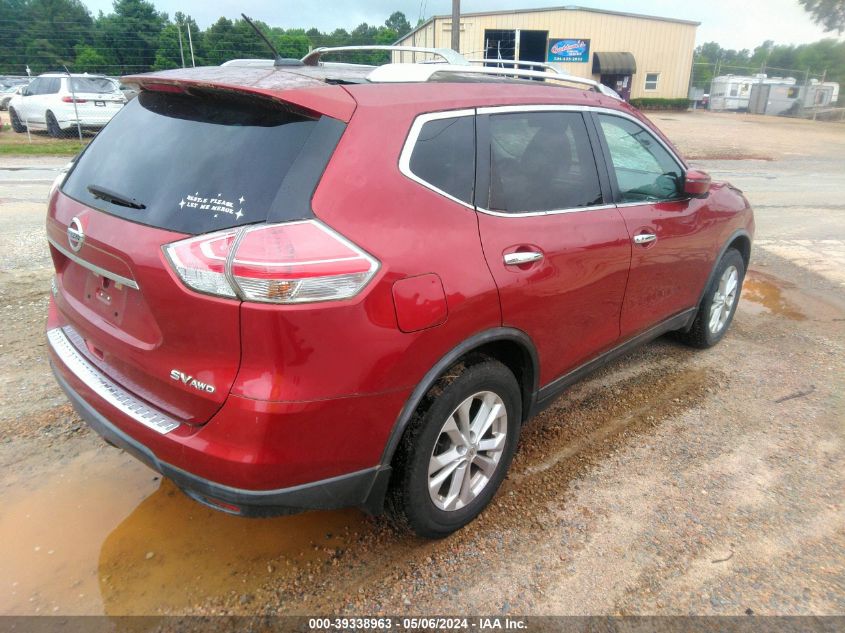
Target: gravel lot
{"type": "Point", "coordinates": [672, 482]}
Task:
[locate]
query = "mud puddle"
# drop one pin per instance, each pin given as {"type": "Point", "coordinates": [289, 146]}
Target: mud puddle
{"type": "Point", "coordinates": [767, 294]}
{"type": "Point", "coordinates": [102, 533]}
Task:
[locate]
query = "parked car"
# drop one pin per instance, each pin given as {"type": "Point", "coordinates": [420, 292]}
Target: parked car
{"type": "Point", "coordinates": [129, 92]}
{"type": "Point", "coordinates": [6, 94]}
{"type": "Point", "coordinates": [315, 287]}
{"type": "Point", "coordinates": [55, 102]}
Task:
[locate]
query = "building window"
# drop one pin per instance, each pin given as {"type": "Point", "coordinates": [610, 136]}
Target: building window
{"type": "Point", "coordinates": [651, 80]}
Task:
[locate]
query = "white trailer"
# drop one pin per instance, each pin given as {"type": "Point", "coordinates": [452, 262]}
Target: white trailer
{"type": "Point", "coordinates": [732, 92]}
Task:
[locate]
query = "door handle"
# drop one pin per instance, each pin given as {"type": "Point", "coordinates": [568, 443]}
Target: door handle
{"type": "Point", "coordinates": [644, 238]}
{"type": "Point", "coordinates": [523, 257]}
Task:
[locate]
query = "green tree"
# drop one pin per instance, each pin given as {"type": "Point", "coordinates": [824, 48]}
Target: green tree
{"type": "Point", "coordinates": [41, 55]}
{"type": "Point", "coordinates": [131, 34]}
{"type": "Point", "coordinates": [830, 14]}
{"type": "Point", "coordinates": [53, 30]}
{"type": "Point", "coordinates": [294, 45]}
{"type": "Point", "coordinates": [89, 60]}
{"type": "Point", "coordinates": [247, 42]}
{"type": "Point", "coordinates": [219, 41]}
{"type": "Point", "coordinates": [168, 54]}
{"type": "Point", "coordinates": [398, 23]}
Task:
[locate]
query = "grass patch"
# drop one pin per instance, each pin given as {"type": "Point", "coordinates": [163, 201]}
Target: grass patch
{"type": "Point", "coordinates": [11, 143]}
{"type": "Point", "coordinates": [60, 148]}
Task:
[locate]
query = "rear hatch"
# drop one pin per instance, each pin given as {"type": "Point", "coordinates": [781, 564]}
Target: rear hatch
{"type": "Point", "coordinates": [169, 166]}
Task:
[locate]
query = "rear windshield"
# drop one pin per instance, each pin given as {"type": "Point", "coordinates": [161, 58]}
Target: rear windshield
{"type": "Point", "coordinates": [92, 84]}
{"type": "Point", "coordinates": [197, 164]}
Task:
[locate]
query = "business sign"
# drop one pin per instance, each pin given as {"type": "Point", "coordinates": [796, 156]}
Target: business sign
{"type": "Point", "coordinates": [569, 50]}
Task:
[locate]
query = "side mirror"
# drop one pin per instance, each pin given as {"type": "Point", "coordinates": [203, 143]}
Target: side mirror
{"type": "Point", "coordinates": [696, 183]}
{"type": "Point", "coordinates": [25, 92]}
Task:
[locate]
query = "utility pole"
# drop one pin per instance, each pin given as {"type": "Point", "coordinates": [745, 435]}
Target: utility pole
{"type": "Point", "coordinates": [73, 98]}
{"type": "Point", "coordinates": [181, 50]}
{"type": "Point", "coordinates": [456, 26]}
{"type": "Point", "coordinates": [191, 44]}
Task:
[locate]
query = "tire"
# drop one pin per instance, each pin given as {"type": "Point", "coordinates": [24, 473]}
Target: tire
{"type": "Point", "coordinates": [53, 128]}
{"type": "Point", "coordinates": [433, 509]}
{"type": "Point", "coordinates": [717, 310]}
{"type": "Point", "coordinates": [17, 126]}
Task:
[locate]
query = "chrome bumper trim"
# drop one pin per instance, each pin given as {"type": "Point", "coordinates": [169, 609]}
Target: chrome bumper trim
{"type": "Point", "coordinates": [115, 395]}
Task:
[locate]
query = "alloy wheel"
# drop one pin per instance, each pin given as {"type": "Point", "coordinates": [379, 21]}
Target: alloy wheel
{"type": "Point", "coordinates": [467, 451]}
{"type": "Point", "coordinates": [724, 299]}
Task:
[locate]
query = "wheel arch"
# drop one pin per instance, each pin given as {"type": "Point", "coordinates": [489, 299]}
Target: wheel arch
{"type": "Point", "coordinates": [739, 240]}
{"type": "Point", "coordinates": [511, 347]}
{"type": "Point", "coordinates": [742, 243]}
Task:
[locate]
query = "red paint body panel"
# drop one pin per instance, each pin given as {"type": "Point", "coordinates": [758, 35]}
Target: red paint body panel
{"type": "Point", "coordinates": [668, 275]}
{"type": "Point", "coordinates": [411, 230]}
{"type": "Point", "coordinates": [420, 302]}
{"type": "Point", "coordinates": [568, 302]}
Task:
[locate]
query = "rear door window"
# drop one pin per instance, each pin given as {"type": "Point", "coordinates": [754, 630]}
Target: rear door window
{"type": "Point", "coordinates": [51, 86]}
{"type": "Point", "coordinates": [196, 163]}
{"type": "Point", "coordinates": [541, 161]}
{"type": "Point", "coordinates": [443, 156]}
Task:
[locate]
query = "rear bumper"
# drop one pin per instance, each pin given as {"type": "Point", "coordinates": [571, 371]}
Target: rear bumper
{"type": "Point", "coordinates": [67, 118]}
{"type": "Point", "coordinates": [363, 489]}
{"type": "Point", "coordinates": [252, 458]}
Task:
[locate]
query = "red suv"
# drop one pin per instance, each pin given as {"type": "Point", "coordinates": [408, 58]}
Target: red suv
{"type": "Point", "coordinates": [316, 286]}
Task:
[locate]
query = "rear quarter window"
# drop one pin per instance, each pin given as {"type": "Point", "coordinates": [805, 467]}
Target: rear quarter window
{"type": "Point", "coordinates": [197, 163]}
{"type": "Point", "coordinates": [443, 156]}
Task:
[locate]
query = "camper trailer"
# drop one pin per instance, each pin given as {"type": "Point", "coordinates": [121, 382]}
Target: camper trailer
{"type": "Point", "coordinates": [733, 92]}
{"type": "Point", "coordinates": [820, 95]}
{"type": "Point", "coordinates": [774, 99]}
{"type": "Point", "coordinates": [834, 97]}
{"type": "Point", "coordinates": [787, 99]}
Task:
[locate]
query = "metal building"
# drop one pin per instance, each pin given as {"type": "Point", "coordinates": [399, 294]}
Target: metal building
{"type": "Point", "coordinates": [636, 55]}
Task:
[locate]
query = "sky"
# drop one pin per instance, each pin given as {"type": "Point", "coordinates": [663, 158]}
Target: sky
{"type": "Point", "coordinates": [733, 24]}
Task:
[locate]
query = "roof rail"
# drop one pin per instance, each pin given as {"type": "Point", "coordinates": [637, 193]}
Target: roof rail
{"type": "Point", "coordinates": [517, 63]}
{"type": "Point", "coordinates": [446, 54]}
{"type": "Point", "coordinates": [398, 73]}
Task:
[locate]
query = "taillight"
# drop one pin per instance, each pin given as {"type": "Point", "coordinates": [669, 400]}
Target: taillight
{"type": "Point", "coordinates": [200, 262]}
{"type": "Point", "coordinates": [294, 262]}
{"type": "Point", "coordinates": [71, 100]}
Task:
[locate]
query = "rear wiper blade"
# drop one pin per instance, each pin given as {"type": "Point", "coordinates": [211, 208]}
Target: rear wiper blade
{"type": "Point", "coordinates": [115, 198]}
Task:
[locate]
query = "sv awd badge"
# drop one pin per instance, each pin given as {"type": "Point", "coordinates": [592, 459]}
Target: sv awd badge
{"type": "Point", "coordinates": [190, 381]}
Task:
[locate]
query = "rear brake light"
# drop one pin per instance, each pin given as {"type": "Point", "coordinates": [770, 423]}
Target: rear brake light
{"type": "Point", "coordinates": [294, 262]}
{"type": "Point", "coordinates": [71, 100]}
{"type": "Point", "coordinates": [164, 88]}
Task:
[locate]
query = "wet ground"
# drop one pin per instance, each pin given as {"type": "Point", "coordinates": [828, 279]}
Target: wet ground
{"type": "Point", "coordinates": [673, 481]}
